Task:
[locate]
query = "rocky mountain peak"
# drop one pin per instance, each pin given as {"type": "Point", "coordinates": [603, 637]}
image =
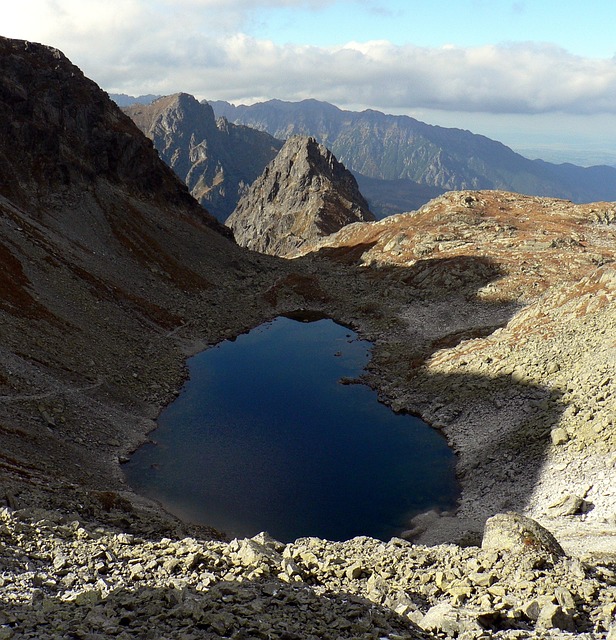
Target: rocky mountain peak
{"type": "Point", "coordinates": [174, 123]}
{"type": "Point", "coordinates": [302, 195]}
{"type": "Point", "coordinates": [181, 110]}
{"type": "Point", "coordinates": [215, 158]}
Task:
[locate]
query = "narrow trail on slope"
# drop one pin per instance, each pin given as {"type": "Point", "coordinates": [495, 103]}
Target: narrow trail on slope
{"type": "Point", "coordinates": [50, 394]}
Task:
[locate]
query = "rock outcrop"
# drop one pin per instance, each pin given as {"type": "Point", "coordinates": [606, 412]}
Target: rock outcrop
{"type": "Point", "coordinates": [69, 137]}
{"type": "Point", "coordinates": [217, 160]}
{"type": "Point", "coordinates": [517, 534]}
{"type": "Point", "coordinates": [302, 195]}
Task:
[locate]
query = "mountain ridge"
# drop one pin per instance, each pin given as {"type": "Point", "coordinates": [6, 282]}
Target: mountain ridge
{"type": "Point", "coordinates": [303, 194]}
{"type": "Point", "coordinates": [216, 159]}
{"type": "Point", "coordinates": [383, 146]}
{"type": "Point", "coordinates": [124, 100]}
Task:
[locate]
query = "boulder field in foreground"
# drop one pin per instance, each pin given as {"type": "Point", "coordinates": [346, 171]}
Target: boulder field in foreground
{"type": "Point", "coordinates": [71, 579]}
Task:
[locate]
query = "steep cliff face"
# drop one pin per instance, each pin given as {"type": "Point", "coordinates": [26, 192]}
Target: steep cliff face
{"type": "Point", "coordinates": [304, 194]}
{"type": "Point", "coordinates": [103, 251]}
{"type": "Point", "coordinates": [217, 160]}
{"type": "Point", "coordinates": [70, 135]}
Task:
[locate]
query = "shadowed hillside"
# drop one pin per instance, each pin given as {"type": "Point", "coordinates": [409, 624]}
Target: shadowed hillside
{"type": "Point", "coordinates": [104, 257]}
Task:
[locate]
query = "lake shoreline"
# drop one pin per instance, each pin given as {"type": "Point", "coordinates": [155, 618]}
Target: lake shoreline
{"type": "Point", "coordinates": [299, 357]}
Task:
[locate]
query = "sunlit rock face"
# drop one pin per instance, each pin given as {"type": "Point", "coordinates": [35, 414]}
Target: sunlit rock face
{"type": "Point", "coordinates": [304, 194]}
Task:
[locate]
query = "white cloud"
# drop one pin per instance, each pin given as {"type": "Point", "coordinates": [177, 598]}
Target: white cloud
{"type": "Point", "coordinates": [64, 19]}
{"type": "Point", "coordinates": [197, 46]}
{"type": "Point", "coordinates": [507, 79]}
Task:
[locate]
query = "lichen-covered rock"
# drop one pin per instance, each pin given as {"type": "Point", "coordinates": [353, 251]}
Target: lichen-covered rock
{"type": "Point", "coordinates": [552, 616]}
{"type": "Point", "coordinates": [515, 533]}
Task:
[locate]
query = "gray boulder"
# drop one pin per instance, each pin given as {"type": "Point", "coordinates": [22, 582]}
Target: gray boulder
{"type": "Point", "coordinates": [519, 534]}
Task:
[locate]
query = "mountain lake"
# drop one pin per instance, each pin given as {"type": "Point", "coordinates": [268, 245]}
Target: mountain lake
{"type": "Point", "coordinates": [266, 436]}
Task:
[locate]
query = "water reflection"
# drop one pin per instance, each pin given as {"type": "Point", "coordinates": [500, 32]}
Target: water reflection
{"type": "Point", "coordinates": [265, 437]}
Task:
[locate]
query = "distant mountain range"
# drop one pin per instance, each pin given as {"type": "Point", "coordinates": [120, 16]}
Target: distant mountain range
{"type": "Point", "coordinates": [123, 100]}
{"type": "Point", "coordinates": [387, 147]}
{"type": "Point", "coordinates": [219, 160]}
{"type": "Point", "coordinates": [400, 163]}
{"type": "Point", "coordinates": [588, 155]}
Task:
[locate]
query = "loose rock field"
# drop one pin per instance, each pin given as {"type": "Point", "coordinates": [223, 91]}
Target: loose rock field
{"type": "Point", "coordinates": [62, 578]}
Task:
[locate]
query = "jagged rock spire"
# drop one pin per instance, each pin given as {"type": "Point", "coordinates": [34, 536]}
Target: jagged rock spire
{"type": "Point", "coordinates": [303, 194]}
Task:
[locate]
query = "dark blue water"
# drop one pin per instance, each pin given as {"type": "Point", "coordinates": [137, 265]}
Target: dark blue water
{"type": "Point", "coordinates": [264, 437]}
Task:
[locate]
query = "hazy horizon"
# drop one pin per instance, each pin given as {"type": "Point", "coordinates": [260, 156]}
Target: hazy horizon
{"type": "Point", "coordinates": [581, 153]}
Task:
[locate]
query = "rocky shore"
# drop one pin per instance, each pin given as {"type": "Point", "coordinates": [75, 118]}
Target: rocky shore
{"type": "Point", "coordinates": [494, 318]}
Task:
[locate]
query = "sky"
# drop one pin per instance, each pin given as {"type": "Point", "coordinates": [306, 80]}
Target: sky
{"type": "Point", "coordinates": [538, 75]}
